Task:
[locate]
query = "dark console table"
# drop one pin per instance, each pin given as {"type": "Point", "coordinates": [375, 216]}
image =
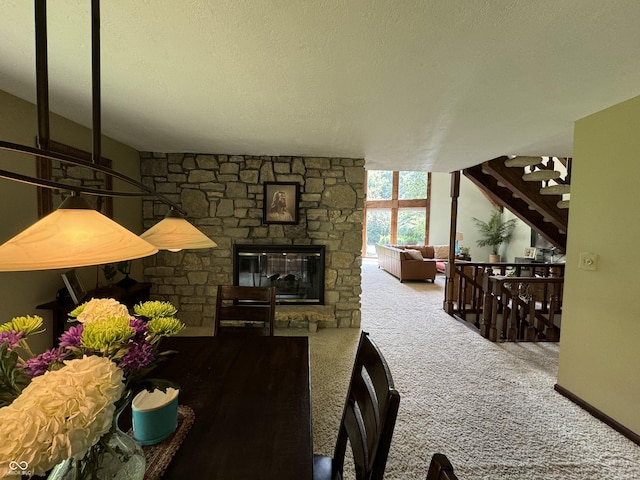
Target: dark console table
{"type": "Point", "coordinates": [136, 293]}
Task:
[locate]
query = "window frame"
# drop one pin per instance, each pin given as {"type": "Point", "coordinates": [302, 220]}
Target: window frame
{"type": "Point", "coordinates": [395, 204]}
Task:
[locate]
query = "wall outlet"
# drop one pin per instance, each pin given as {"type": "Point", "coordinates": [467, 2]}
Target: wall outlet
{"type": "Point", "coordinates": [588, 261]}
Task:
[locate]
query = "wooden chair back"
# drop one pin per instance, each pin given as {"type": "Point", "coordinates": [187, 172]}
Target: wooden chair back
{"type": "Point", "coordinates": [369, 414]}
{"type": "Point", "coordinates": [440, 468]}
{"type": "Point", "coordinates": [245, 310]}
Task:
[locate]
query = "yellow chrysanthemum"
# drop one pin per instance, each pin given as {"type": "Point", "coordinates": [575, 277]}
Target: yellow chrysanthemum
{"type": "Point", "coordinates": [78, 310]}
{"type": "Point", "coordinates": [27, 325]}
{"type": "Point", "coordinates": [155, 309]}
{"type": "Point", "coordinates": [102, 335]}
{"type": "Point", "coordinates": [164, 327]}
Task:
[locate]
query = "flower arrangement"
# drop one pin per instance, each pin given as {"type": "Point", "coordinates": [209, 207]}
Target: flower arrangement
{"type": "Point", "coordinates": [61, 403]}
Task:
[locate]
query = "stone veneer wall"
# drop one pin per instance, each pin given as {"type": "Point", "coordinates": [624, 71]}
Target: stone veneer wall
{"type": "Point", "coordinates": [223, 196]}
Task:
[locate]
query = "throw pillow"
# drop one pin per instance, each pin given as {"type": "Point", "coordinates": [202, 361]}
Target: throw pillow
{"type": "Point", "coordinates": [414, 254]}
{"type": "Point", "coordinates": [441, 251]}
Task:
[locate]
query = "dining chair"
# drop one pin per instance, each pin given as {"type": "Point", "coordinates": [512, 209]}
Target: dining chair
{"type": "Point", "coordinates": [440, 468]}
{"type": "Point", "coordinates": [368, 418]}
{"type": "Point", "coordinates": [245, 310]}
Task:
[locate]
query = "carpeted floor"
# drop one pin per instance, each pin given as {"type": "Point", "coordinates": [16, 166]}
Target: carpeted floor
{"type": "Point", "coordinates": [489, 407]}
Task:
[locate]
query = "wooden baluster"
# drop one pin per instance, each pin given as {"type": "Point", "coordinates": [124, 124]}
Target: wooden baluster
{"type": "Point", "coordinates": [530, 332]}
{"type": "Point", "coordinates": [507, 310]}
{"type": "Point", "coordinates": [551, 331]}
{"type": "Point", "coordinates": [475, 297]}
{"type": "Point", "coordinates": [493, 331]}
{"type": "Point", "coordinates": [512, 332]}
{"type": "Point", "coordinates": [461, 292]}
{"type": "Point", "coordinates": [485, 324]}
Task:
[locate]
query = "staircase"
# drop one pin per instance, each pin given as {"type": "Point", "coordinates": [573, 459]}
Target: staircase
{"type": "Point", "coordinates": [532, 188]}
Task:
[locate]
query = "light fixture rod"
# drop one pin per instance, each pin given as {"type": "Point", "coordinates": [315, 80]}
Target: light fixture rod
{"type": "Point", "coordinates": [43, 113]}
{"type": "Point", "coordinates": [38, 152]}
{"type": "Point", "coordinates": [95, 81]}
{"type": "Point", "coordinates": [41, 182]}
{"type": "Point", "coordinates": [42, 74]}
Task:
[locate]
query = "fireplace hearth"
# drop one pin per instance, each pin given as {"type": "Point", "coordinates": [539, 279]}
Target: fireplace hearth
{"type": "Point", "coordinates": [297, 271]}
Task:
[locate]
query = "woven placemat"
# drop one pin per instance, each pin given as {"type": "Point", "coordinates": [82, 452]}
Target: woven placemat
{"type": "Point", "coordinates": [159, 456]}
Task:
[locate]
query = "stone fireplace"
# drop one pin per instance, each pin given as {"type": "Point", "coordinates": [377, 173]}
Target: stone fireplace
{"type": "Point", "coordinates": [297, 271]}
{"type": "Point", "coordinates": [223, 195]}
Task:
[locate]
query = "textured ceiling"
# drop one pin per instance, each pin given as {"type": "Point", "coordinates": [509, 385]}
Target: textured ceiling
{"type": "Point", "coordinates": [407, 84]}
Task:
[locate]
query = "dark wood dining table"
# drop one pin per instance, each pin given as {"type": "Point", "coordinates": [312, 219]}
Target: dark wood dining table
{"type": "Point", "coordinates": [252, 402]}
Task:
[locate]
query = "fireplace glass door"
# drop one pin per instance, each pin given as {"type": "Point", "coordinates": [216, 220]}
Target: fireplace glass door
{"type": "Point", "coordinates": [297, 271]}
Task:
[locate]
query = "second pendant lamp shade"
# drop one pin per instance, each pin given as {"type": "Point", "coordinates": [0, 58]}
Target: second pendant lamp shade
{"type": "Point", "coordinates": [175, 233]}
{"type": "Point", "coordinates": [74, 235]}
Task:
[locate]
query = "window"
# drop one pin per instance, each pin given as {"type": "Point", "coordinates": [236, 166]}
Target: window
{"type": "Point", "coordinates": [378, 229]}
{"type": "Point", "coordinates": [396, 209]}
{"type": "Point", "coordinates": [411, 226]}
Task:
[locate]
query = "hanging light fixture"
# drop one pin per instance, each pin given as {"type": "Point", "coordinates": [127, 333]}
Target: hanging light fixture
{"type": "Point", "coordinates": [75, 235]}
{"type": "Point", "coordinates": [174, 233]}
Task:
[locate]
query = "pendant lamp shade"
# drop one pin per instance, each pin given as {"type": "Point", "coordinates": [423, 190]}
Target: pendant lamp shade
{"type": "Point", "coordinates": [175, 233]}
{"type": "Point", "coordinates": [74, 235]}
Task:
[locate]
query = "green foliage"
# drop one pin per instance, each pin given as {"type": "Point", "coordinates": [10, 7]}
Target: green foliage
{"type": "Point", "coordinates": [12, 379]}
{"type": "Point", "coordinates": [378, 226]}
{"type": "Point", "coordinates": [411, 226]}
{"type": "Point", "coordinates": [379, 185]}
{"type": "Point", "coordinates": [412, 185]}
{"type": "Point", "coordinates": [109, 270]}
{"type": "Point", "coordinates": [496, 231]}
{"type": "Point", "coordinates": [124, 267]}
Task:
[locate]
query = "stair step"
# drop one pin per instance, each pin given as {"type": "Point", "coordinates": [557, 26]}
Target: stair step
{"type": "Point", "coordinates": [555, 190]}
{"type": "Point", "coordinates": [563, 204]}
{"type": "Point", "coordinates": [541, 175]}
{"type": "Point", "coordinates": [522, 161]}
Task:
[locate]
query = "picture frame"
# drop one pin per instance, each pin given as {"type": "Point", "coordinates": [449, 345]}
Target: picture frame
{"type": "Point", "coordinates": [281, 203]}
{"type": "Point", "coordinates": [529, 252]}
{"type": "Point", "coordinates": [74, 286]}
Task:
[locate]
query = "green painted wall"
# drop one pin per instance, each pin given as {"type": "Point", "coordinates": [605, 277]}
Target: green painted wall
{"type": "Point", "coordinates": [600, 345]}
{"type": "Point", "coordinates": [20, 292]}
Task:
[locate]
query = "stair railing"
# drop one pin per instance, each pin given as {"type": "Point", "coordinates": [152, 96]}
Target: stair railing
{"type": "Point", "coordinates": [522, 308]}
{"type": "Point", "coordinates": [508, 301]}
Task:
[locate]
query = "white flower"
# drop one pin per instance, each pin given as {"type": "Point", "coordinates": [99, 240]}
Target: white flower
{"type": "Point", "coordinates": [60, 414]}
{"type": "Point", "coordinates": [101, 309]}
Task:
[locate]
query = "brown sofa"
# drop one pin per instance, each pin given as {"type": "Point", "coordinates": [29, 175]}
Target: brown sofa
{"type": "Point", "coordinates": [396, 260]}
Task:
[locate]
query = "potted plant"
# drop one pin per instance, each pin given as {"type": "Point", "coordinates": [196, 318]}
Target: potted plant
{"type": "Point", "coordinates": [495, 232]}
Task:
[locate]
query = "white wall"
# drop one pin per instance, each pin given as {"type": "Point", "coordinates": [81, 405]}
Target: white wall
{"type": "Point", "coordinates": [521, 239]}
{"type": "Point", "coordinates": [20, 292]}
{"type": "Point", "coordinates": [471, 203]}
{"type": "Point", "coordinates": [600, 343]}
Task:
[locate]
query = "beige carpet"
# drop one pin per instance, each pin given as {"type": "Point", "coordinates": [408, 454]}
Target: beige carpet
{"type": "Point", "coordinates": [490, 408]}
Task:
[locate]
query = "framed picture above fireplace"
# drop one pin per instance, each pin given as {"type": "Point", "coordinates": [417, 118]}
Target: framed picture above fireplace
{"type": "Point", "coordinates": [281, 202]}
